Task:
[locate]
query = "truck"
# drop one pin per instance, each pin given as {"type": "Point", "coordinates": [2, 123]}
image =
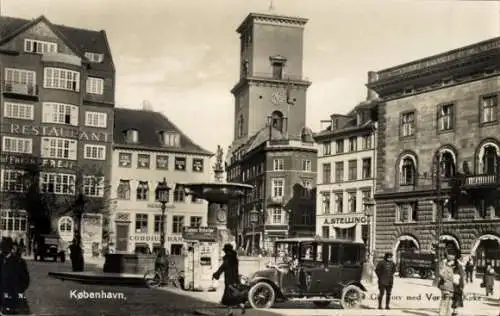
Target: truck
{"type": "Point", "coordinates": [418, 263]}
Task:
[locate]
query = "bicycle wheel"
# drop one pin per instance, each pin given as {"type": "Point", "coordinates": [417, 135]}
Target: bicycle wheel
{"type": "Point", "coordinates": [152, 279]}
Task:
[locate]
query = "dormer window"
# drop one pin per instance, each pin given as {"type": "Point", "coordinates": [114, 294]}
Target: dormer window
{"type": "Point", "coordinates": [132, 136]}
{"type": "Point", "coordinates": [278, 63]}
{"type": "Point", "coordinates": [94, 57]}
{"type": "Point", "coordinates": [170, 139]}
{"type": "Point", "coordinates": [39, 47]}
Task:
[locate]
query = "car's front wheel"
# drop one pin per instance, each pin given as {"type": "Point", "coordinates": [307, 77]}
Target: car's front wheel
{"type": "Point", "coordinates": [351, 297]}
{"type": "Point", "coordinates": [261, 295]}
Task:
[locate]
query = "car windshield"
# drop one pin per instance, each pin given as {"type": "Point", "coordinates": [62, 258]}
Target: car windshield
{"type": "Point", "coordinates": [286, 251]}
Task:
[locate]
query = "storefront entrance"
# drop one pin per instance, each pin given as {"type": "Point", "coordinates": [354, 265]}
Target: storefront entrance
{"type": "Point", "coordinates": [122, 231]}
{"type": "Point", "coordinates": [487, 252]}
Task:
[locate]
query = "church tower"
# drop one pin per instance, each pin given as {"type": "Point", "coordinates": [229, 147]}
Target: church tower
{"type": "Point", "coordinates": [271, 89]}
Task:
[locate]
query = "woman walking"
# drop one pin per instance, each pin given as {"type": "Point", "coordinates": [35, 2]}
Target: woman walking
{"type": "Point", "coordinates": [232, 280]}
{"type": "Point", "coordinates": [489, 279]}
{"type": "Point", "coordinates": [446, 286]}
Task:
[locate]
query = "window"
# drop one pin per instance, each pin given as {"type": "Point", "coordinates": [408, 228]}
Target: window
{"type": "Point", "coordinates": [339, 171]}
{"type": "Point", "coordinates": [141, 223]}
{"type": "Point", "coordinates": [339, 146]}
{"type": "Point", "coordinates": [94, 152]}
{"type": "Point", "coordinates": [345, 234]}
{"type": "Point", "coordinates": [158, 221]}
{"type": "Point", "coordinates": [18, 111]}
{"type": "Point", "coordinates": [17, 145]}
{"type": "Point", "coordinates": [278, 187]}
{"type": "Point", "coordinates": [143, 161]}
{"type": "Point", "coordinates": [13, 221]}
{"type": "Point", "coordinates": [60, 113]}
{"type": "Point", "coordinates": [160, 195]}
{"type": "Point", "coordinates": [94, 57]}
{"type": "Point", "coordinates": [66, 225]}
{"type": "Point", "coordinates": [445, 117]}
{"type": "Point", "coordinates": [339, 202]}
{"type": "Point", "coordinates": [197, 165]}
{"type": "Point", "coordinates": [93, 186]}
{"type": "Point", "coordinates": [407, 212]}
{"type": "Point", "coordinates": [20, 81]}
{"type": "Point", "coordinates": [307, 188]}
{"type": "Point", "coordinates": [240, 126]}
{"type": "Point", "coordinates": [367, 168]}
{"type": "Point", "coordinates": [176, 249]}
{"type": "Point", "coordinates": [39, 47]}
{"type": "Point", "coordinates": [277, 216]}
{"type": "Point", "coordinates": [489, 160]}
{"type": "Point", "coordinates": [123, 191]}
{"type": "Point", "coordinates": [142, 191]}
{"type": "Point", "coordinates": [177, 224]}
{"type": "Point", "coordinates": [57, 78]}
{"type": "Point", "coordinates": [353, 144]}
{"type": "Point", "coordinates": [278, 71]}
{"type": "Point", "coordinates": [162, 162]}
{"type": "Point", "coordinates": [180, 163]}
{"type": "Point", "coordinates": [57, 183]}
{"type": "Point", "coordinates": [407, 124]}
{"type": "Point", "coordinates": [12, 181]}
{"type": "Point", "coordinates": [352, 170]}
{"type": "Point", "coordinates": [327, 149]}
{"type": "Point", "coordinates": [325, 200]}
{"type": "Point", "coordinates": [327, 173]}
{"type": "Point", "coordinates": [96, 119]}
{"type": "Point", "coordinates": [277, 120]}
{"type": "Point", "coordinates": [59, 148]}
{"type": "Point", "coordinates": [278, 165]}
{"type": "Point", "coordinates": [132, 136]}
{"type": "Point", "coordinates": [366, 142]}
{"type": "Point", "coordinates": [408, 172]}
{"type": "Point", "coordinates": [306, 165]}
{"type": "Point", "coordinates": [447, 164]}
{"type": "Point", "coordinates": [179, 194]}
{"type": "Point", "coordinates": [366, 195]}
{"type": "Point", "coordinates": [125, 160]}
{"type": "Point", "coordinates": [351, 197]}
{"type": "Point", "coordinates": [325, 232]}
{"type": "Point", "coordinates": [195, 221]}
{"type": "Point", "coordinates": [95, 85]}
{"type": "Point", "coordinates": [489, 109]}
{"type": "Point", "coordinates": [170, 139]}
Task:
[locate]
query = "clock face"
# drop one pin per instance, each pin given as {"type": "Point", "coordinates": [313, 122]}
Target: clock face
{"type": "Point", "coordinates": [277, 97]}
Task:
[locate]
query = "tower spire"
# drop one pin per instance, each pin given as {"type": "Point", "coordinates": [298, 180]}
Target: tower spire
{"type": "Point", "coordinates": [271, 6]}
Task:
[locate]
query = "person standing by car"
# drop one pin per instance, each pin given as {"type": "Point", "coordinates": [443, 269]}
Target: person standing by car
{"type": "Point", "coordinates": [232, 281]}
{"type": "Point", "coordinates": [469, 271]}
{"type": "Point", "coordinates": [385, 273]}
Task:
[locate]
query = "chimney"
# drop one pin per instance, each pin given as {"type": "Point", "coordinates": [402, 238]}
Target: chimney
{"type": "Point", "coordinates": [372, 77]}
{"type": "Point", "coordinates": [147, 106]}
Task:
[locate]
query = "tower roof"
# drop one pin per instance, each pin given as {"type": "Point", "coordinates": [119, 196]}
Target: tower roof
{"type": "Point", "coordinates": [270, 18]}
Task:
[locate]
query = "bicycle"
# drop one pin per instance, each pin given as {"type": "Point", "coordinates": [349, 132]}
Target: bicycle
{"type": "Point", "coordinates": [154, 278]}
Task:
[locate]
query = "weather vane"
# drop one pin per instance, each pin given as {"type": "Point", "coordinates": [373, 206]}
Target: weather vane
{"type": "Point", "coordinates": [271, 5]}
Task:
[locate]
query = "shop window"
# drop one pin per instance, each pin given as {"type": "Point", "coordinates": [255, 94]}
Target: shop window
{"type": "Point", "coordinates": [176, 249]}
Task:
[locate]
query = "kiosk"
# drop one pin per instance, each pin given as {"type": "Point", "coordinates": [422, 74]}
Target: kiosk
{"type": "Point", "coordinates": [201, 259]}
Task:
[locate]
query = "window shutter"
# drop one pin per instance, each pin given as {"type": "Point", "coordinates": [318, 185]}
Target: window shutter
{"type": "Point", "coordinates": [74, 116]}
{"type": "Point", "coordinates": [72, 150]}
{"type": "Point", "coordinates": [45, 147]}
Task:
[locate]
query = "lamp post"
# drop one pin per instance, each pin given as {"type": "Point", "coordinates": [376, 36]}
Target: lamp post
{"type": "Point", "coordinates": [161, 193]}
{"type": "Point", "coordinates": [439, 213]}
{"type": "Point", "coordinates": [369, 205]}
{"type": "Point", "coordinates": [254, 219]}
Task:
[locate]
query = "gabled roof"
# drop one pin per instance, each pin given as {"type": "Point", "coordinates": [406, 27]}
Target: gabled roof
{"type": "Point", "coordinates": [148, 124]}
{"type": "Point", "coordinates": [79, 40]}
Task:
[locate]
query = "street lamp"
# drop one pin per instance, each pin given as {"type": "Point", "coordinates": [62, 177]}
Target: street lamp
{"type": "Point", "coordinates": [161, 193]}
{"type": "Point", "coordinates": [369, 205]}
{"type": "Point", "coordinates": [254, 219]}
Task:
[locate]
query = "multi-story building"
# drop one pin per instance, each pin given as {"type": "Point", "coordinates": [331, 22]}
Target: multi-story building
{"type": "Point", "coordinates": [148, 148]}
{"type": "Point", "coordinates": [272, 148]}
{"type": "Point", "coordinates": [57, 100]}
{"type": "Point", "coordinates": [346, 175]}
{"type": "Point", "coordinates": [438, 150]}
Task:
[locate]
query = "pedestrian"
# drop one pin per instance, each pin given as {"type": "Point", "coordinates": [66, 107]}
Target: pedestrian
{"type": "Point", "coordinates": [232, 280]}
{"type": "Point", "coordinates": [15, 280]}
{"type": "Point", "coordinates": [161, 265]}
{"type": "Point", "coordinates": [458, 286]}
{"type": "Point", "coordinates": [385, 273]}
{"type": "Point", "coordinates": [446, 285]}
{"type": "Point", "coordinates": [489, 279]}
{"type": "Point", "coordinates": [22, 246]}
{"type": "Point", "coordinates": [469, 271]}
{"type": "Point", "coordinates": [76, 256]}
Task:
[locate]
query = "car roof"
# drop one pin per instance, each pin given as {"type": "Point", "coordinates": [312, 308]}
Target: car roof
{"type": "Point", "coordinates": [317, 239]}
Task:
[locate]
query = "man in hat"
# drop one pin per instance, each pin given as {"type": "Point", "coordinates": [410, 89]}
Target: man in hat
{"type": "Point", "coordinates": [385, 272]}
{"type": "Point", "coordinates": [231, 279]}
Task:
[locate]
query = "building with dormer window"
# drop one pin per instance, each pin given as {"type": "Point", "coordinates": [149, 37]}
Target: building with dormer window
{"type": "Point", "coordinates": [147, 148]}
{"type": "Point", "coordinates": [57, 99]}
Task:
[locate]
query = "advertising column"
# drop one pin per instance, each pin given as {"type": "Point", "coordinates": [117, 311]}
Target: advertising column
{"type": "Point", "coordinates": [91, 234]}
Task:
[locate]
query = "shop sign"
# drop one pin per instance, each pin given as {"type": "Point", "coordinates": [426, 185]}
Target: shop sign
{"type": "Point", "coordinates": [25, 160]}
{"type": "Point", "coordinates": [362, 219]}
{"type": "Point", "coordinates": [158, 205]}
{"type": "Point", "coordinates": [50, 131]}
{"type": "Point", "coordinates": [200, 233]}
{"type": "Point", "coordinates": [155, 238]}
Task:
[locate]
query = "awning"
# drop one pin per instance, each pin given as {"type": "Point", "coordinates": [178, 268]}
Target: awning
{"type": "Point", "coordinates": [344, 226]}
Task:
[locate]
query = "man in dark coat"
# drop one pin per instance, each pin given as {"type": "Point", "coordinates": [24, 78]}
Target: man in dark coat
{"type": "Point", "coordinates": [385, 272]}
{"type": "Point", "coordinates": [15, 280]}
{"type": "Point", "coordinates": [229, 267]}
{"type": "Point", "coordinates": [76, 255]}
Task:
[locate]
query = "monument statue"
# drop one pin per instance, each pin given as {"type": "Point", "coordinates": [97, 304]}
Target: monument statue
{"type": "Point", "coordinates": [219, 165]}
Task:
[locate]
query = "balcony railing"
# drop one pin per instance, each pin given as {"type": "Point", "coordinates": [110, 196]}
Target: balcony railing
{"type": "Point", "coordinates": [21, 88]}
{"type": "Point", "coordinates": [266, 75]}
{"type": "Point", "coordinates": [480, 180]}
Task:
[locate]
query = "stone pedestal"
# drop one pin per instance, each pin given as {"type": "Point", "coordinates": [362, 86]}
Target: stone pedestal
{"type": "Point", "coordinates": [128, 263]}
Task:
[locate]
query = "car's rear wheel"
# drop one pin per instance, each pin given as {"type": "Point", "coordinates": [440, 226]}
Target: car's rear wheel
{"type": "Point", "coordinates": [409, 272]}
{"type": "Point", "coordinates": [261, 295]}
{"type": "Point", "coordinates": [321, 304]}
{"type": "Point", "coordinates": [351, 297]}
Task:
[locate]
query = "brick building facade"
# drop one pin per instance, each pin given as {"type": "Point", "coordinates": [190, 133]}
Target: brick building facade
{"type": "Point", "coordinates": [440, 110]}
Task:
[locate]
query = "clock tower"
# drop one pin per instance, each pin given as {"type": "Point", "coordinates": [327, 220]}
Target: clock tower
{"type": "Point", "coordinates": [271, 89]}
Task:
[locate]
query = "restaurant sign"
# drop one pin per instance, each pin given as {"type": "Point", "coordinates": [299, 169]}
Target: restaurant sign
{"type": "Point", "coordinates": [200, 233]}
{"type": "Point", "coordinates": [50, 131]}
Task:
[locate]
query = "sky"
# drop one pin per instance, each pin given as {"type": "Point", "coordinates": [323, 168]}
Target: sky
{"type": "Point", "coordinates": [183, 56]}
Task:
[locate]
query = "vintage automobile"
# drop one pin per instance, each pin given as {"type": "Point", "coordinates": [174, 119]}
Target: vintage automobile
{"type": "Point", "coordinates": [49, 246]}
{"type": "Point", "coordinates": [417, 262]}
{"type": "Point", "coordinates": [316, 270]}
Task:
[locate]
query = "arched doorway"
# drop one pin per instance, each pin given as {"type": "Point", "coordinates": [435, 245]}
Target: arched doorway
{"type": "Point", "coordinates": [405, 243]}
{"type": "Point", "coordinates": [486, 250]}
{"type": "Point", "coordinates": [451, 245]}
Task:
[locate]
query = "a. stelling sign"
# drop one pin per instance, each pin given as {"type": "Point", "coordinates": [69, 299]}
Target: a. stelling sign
{"type": "Point", "coordinates": [200, 233]}
{"type": "Point", "coordinates": [346, 221]}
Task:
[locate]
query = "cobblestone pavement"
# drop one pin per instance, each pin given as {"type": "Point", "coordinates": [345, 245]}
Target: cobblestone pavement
{"type": "Point", "coordinates": [49, 296]}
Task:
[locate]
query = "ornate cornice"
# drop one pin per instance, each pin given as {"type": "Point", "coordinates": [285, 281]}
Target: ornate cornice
{"type": "Point", "coordinates": [269, 82]}
{"type": "Point", "coordinates": [271, 19]}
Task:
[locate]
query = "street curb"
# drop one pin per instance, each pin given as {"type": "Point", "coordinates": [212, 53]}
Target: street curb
{"type": "Point", "coordinates": [203, 313]}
